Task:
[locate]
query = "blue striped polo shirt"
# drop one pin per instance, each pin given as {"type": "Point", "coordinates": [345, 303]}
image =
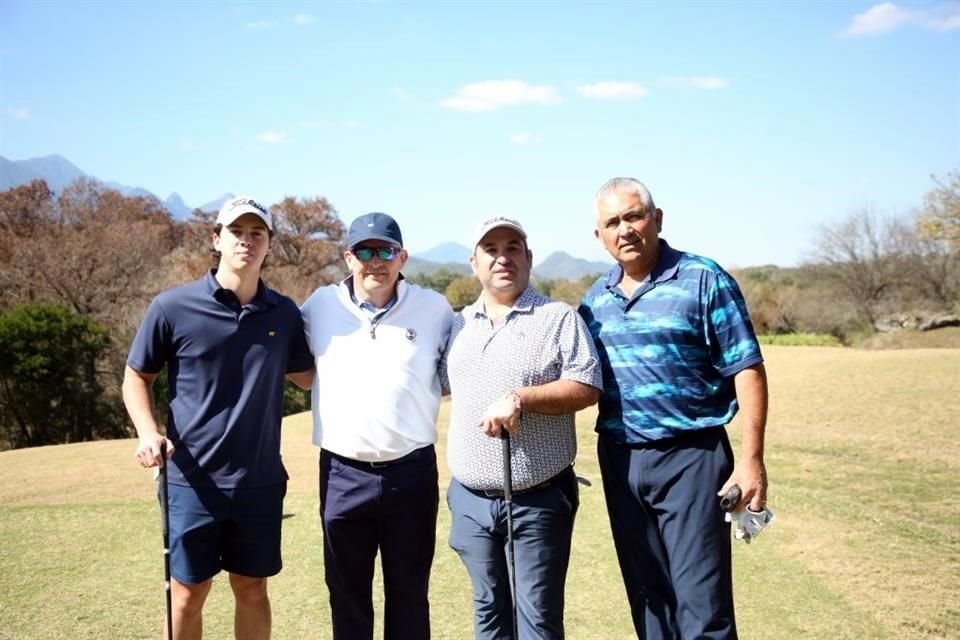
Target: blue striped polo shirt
{"type": "Point", "coordinates": [669, 352]}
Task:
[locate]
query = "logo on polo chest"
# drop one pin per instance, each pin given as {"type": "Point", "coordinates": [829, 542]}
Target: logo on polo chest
{"type": "Point", "coordinates": [411, 335]}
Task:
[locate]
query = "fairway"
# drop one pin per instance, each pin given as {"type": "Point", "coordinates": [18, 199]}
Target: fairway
{"type": "Point", "coordinates": [863, 456]}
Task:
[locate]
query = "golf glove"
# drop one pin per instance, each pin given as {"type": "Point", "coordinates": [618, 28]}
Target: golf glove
{"type": "Point", "coordinates": [748, 523]}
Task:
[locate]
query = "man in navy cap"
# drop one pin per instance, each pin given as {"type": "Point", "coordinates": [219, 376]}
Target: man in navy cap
{"type": "Point", "coordinates": [377, 342]}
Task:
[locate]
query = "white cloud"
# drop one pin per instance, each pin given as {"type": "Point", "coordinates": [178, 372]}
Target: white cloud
{"type": "Point", "coordinates": [497, 94]}
{"type": "Point", "coordinates": [186, 144]}
{"type": "Point", "coordinates": [707, 83]}
{"type": "Point", "coordinates": [304, 18]}
{"type": "Point", "coordinates": [887, 17]}
{"type": "Point", "coordinates": [946, 18]}
{"type": "Point", "coordinates": [260, 25]}
{"type": "Point", "coordinates": [520, 138]}
{"type": "Point", "coordinates": [17, 113]}
{"type": "Point", "coordinates": [880, 18]}
{"type": "Point", "coordinates": [613, 90]}
{"type": "Point", "coordinates": [272, 137]}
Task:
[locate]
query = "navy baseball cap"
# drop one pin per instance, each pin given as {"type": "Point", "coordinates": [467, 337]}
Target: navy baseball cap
{"type": "Point", "coordinates": [374, 226]}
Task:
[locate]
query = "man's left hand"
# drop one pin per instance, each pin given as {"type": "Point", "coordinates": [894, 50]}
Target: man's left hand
{"type": "Point", "coordinates": [751, 475]}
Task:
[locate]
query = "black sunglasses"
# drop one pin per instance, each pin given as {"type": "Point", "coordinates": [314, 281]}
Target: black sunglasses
{"type": "Point", "coordinates": [366, 254]}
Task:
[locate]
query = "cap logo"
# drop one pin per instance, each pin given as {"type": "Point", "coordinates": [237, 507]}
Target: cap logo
{"type": "Point", "coordinates": [249, 202]}
{"type": "Point", "coordinates": [498, 219]}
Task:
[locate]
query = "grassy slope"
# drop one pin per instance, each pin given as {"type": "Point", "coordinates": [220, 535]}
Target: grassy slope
{"type": "Point", "coordinates": [862, 454]}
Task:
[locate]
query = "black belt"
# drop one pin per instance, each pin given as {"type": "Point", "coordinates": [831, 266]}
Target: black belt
{"type": "Point", "coordinates": [413, 456]}
{"type": "Point", "coordinates": [498, 493]}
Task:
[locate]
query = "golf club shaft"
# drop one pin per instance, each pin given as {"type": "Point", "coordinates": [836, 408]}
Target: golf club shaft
{"type": "Point", "coordinates": [165, 526]}
{"type": "Point", "coordinates": [508, 503]}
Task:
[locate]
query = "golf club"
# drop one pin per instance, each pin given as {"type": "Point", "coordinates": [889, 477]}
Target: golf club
{"type": "Point", "coordinates": [165, 526]}
{"type": "Point", "coordinates": [508, 501]}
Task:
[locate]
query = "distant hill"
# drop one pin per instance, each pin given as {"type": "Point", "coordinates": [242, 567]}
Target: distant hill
{"type": "Point", "coordinates": [416, 266]}
{"type": "Point", "coordinates": [446, 252]}
{"type": "Point", "coordinates": [560, 265]}
{"type": "Point", "coordinates": [58, 173]}
{"type": "Point", "coordinates": [214, 205]}
{"type": "Point", "coordinates": [177, 207]}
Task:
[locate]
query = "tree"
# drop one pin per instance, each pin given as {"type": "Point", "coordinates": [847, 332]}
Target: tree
{"type": "Point", "coordinates": [860, 254]}
{"type": "Point", "coordinates": [939, 219]}
{"type": "Point", "coordinates": [92, 249]}
{"type": "Point", "coordinates": [570, 291]}
{"type": "Point", "coordinates": [49, 387]}
{"type": "Point", "coordinates": [309, 240]}
{"type": "Point", "coordinates": [463, 291]}
{"type": "Point", "coordinates": [438, 280]}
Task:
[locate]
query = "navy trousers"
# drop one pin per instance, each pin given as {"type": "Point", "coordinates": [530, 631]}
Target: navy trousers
{"type": "Point", "coordinates": [388, 508]}
{"type": "Point", "coordinates": [542, 530]}
{"type": "Point", "coordinates": [671, 539]}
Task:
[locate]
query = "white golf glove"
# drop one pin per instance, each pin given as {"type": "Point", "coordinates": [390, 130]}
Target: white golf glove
{"type": "Point", "coordinates": [748, 523]}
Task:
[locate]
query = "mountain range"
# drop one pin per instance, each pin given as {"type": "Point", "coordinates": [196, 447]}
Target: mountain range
{"type": "Point", "coordinates": [58, 172]}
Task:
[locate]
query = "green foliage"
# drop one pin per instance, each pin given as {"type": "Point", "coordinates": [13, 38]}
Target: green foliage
{"type": "Point", "coordinates": [49, 391]}
{"type": "Point", "coordinates": [463, 291]}
{"type": "Point", "coordinates": [295, 399]}
{"type": "Point", "coordinates": [800, 340]}
{"type": "Point", "coordinates": [437, 280]}
{"type": "Point", "coordinates": [940, 218]}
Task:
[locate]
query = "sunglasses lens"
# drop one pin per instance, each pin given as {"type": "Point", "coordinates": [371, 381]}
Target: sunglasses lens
{"type": "Point", "coordinates": [365, 254]}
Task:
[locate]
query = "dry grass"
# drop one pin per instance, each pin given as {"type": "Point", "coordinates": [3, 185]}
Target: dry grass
{"type": "Point", "coordinates": [863, 456]}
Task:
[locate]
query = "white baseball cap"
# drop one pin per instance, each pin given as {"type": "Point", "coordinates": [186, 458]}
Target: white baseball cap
{"type": "Point", "coordinates": [497, 222]}
{"type": "Point", "coordinates": [233, 209]}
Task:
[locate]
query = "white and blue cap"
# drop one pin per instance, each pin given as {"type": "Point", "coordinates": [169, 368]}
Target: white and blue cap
{"type": "Point", "coordinates": [233, 209]}
{"type": "Point", "coordinates": [374, 226]}
{"type": "Point", "coordinates": [497, 222]}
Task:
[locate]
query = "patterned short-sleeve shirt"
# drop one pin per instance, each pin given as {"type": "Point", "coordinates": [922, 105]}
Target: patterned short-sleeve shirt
{"type": "Point", "coordinates": [670, 351]}
{"type": "Point", "coordinates": [540, 340]}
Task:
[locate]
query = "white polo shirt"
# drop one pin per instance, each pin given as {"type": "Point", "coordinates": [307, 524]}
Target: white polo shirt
{"type": "Point", "coordinates": [376, 394]}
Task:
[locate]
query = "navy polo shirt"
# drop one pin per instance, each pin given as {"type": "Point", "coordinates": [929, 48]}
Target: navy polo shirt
{"type": "Point", "coordinates": [226, 365]}
{"type": "Point", "coordinates": [669, 352]}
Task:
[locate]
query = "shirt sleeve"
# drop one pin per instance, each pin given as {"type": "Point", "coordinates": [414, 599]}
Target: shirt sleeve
{"type": "Point", "coordinates": [733, 343]}
{"type": "Point", "coordinates": [577, 351]}
{"type": "Point", "coordinates": [299, 357]}
{"type": "Point", "coordinates": [442, 370]}
{"type": "Point", "coordinates": [152, 345]}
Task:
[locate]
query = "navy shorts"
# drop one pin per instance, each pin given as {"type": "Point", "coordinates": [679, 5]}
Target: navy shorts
{"type": "Point", "coordinates": [234, 530]}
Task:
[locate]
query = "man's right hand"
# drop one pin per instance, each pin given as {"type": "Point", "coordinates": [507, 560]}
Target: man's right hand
{"type": "Point", "coordinates": [148, 450]}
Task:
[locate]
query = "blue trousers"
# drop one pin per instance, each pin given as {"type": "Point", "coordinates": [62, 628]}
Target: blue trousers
{"type": "Point", "coordinates": [672, 542]}
{"type": "Point", "coordinates": [542, 530]}
{"type": "Point", "coordinates": [391, 509]}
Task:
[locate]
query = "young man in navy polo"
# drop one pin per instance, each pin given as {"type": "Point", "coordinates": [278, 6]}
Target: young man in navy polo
{"type": "Point", "coordinates": [227, 342]}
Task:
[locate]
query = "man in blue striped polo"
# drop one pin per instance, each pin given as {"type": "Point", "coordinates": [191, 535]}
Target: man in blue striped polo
{"type": "Point", "coordinates": [679, 359]}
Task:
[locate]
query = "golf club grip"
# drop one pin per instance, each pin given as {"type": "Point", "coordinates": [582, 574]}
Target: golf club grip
{"type": "Point", "coordinates": [731, 498]}
{"type": "Point", "coordinates": [507, 466]}
{"type": "Point", "coordinates": [164, 494]}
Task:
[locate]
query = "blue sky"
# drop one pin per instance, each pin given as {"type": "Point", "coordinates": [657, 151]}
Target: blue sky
{"type": "Point", "coordinates": [751, 123]}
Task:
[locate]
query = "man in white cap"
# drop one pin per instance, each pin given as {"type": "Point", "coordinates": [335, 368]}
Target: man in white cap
{"type": "Point", "coordinates": [522, 363]}
{"type": "Point", "coordinates": [227, 342]}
